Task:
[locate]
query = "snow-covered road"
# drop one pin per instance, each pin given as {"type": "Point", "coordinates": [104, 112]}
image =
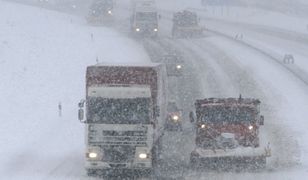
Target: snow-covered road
{"type": "Point", "coordinates": [43, 56]}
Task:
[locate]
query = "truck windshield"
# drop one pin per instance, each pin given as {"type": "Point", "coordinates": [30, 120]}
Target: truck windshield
{"type": "Point", "coordinates": [102, 6]}
{"type": "Point", "coordinates": [220, 114]}
{"type": "Point", "coordinates": [118, 111]}
{"type": "Point", "coordinates": [187, 21]}
{"type": "Point", "coordinates": [146, 16]}
{"type": "Point", "coordinates": [103, 3]}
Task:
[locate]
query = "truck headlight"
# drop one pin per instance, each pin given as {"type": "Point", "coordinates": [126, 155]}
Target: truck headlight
{"type": "Point", "coordinates": [203, 126]}
{"type": "Point", "coordinates": [143, 155]}
{"type": "Point", "coordinates": [109, 12]}
{"type": "Point", "coordinates": [92, 155]}
{"type": "Point", "coordinates": [155, 29]}
{"type": "Point", "coordinates": [250, 127]}
{"type": "Point", "coordinates": [175, 117]}
{"type": "Point", "coordinates": [137, 29]}
{"type": "Point", "coordinates": [178, 66]}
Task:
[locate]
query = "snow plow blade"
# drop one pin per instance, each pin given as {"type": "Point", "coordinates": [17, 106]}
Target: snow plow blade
{"type": "Point", "coordinates": [188, 32]}
{"type": "Point", "coordinates": [245, 158]}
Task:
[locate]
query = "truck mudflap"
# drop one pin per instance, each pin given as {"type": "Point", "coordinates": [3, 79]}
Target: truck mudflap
{"type": "Point", "coordinates": [241, 157]}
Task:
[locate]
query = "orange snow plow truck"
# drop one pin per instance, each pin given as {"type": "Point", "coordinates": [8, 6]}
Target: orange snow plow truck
{"type": "Point", "coordinates": [227, 134]}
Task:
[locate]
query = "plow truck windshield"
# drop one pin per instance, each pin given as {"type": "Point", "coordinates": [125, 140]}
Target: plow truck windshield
{"type": "Point", "coordinates": [219, 114]}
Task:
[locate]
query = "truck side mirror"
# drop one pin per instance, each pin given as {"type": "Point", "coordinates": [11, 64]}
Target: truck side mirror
{"type": "Point", "coordinates": [81, 115]}
{"type": "Point", "coordinates": [191, 117]}
{"type": "Point", "coordinates": [261, 120]}
{"type": "Point", "coordinates": [81, 103]}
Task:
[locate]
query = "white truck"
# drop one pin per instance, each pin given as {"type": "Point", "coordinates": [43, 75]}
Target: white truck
{"type": "Point", "coordinates": [144, 19]}
{"type": "Point", "coordinates": [101, 11]}
{"type": "Point", "coordinates": [124, 113]}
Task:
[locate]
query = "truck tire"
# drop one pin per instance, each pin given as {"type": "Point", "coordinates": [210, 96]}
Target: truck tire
{"type": "Point", "coordinates": [260, 163]}
{"type": "Point", "coordinates": [91, 172]}
{"type": "Point", "coordinates": [194, 161]}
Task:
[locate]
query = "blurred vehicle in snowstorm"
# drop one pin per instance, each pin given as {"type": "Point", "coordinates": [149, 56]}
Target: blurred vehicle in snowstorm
{"type": "Point", "coordinates": [125, 113]}
{"type": "Point", "coordinates": [144, 19]}
{"type": "Point", "coordinates": [227, 134]}
{"type": "Point", "coordinates": [288, 59]}
{"type": "Point", "coordinates": [174, 64]}
{"type": "Point", "coordinates": [174, 117]}
{"type": "Point", "coordinates": [101, 11]}
{"type": "Point", "coordinates": [186, 24]}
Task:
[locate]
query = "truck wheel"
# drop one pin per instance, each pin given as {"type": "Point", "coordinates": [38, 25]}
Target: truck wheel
{"type": "Point", "coordinates": [194, 161]}
{"type": "Point", "coordinates": [91, 172]}
{"type": "Point", "coordinates": [260, 163]}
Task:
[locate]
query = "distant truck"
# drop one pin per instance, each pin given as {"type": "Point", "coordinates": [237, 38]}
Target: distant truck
{"type": "Point", "coordinates": [100, 11]}
{"type": "Point", "coordinates": [174, 118]}
{"type": "Point", "coordinates": [174, 64]}
{"type": "Point", "coordinates": [186, 24]}
{"type": "Point", "coordinates": [125, 113]}
{"type": "Point", "coordinates": [227, 134]}
{"type": "Point", "coordinates": [144, 19]}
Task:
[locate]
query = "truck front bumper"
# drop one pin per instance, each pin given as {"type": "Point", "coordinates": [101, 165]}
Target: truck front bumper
{"type": "Point", "coordinates": [110, 165]}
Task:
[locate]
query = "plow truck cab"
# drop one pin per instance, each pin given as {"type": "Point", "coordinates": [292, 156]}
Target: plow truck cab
{"type": "Point", "coordinates": [186, 24]}
{"type": "Point", "coordinates": [227, 134]}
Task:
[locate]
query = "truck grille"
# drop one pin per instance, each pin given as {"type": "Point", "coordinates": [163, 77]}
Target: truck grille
{"type": "Point", "coordinates": [137, 138]}
{"type": "Point", "coordinates": [118, 154]}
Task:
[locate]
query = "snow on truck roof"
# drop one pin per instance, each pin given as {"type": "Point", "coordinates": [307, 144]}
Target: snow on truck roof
{"type": "Point", "coordinates": [227, 101]}
{"type": "Point", "coordinates": [126, 65]}
{"type": "Point", "coordinates": [134, 91]}
{"type": "Point", "coordinates": [145, 6]}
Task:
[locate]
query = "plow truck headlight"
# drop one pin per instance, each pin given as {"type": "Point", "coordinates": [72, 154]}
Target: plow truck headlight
{"type": "Point", "coordinates": [137, 29]}
{"type": "Point", "coordinates": [175, 117]}
{"type": "Point", "coordinates": [143, 155]}
{"type": "Point", "coordinates": [178, 66]}
{"type": "Point", "coordinates": [250, 127]}
{"type": "Point", "coordinates": [92, 155]}
{"type": "Point", "coordinates": [109, 12]}
{"type": "Point", "coordinates": [155, 29]}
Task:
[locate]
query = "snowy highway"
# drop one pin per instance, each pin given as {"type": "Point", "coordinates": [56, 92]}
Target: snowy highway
{"type": "Point", "coordinates": [43, 65]}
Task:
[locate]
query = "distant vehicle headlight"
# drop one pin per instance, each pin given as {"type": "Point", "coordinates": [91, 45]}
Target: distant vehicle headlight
{"type": "Point", "coordinates": [143, 155]}
{"type": "Point", "coordinates": [137, 29]}
{"type": "Point", "coordinates": [175, 117]}
{"type": "Point", "coordinates": [92, 155]}
{"type": "Point", "coordinates": [250, 127]}
{"type": "Point", "coordinates": [178, 66]}
{"type": "Point", "coordinates": [155, 29]}
{"type": "Point", "coordinates": [203, 126]}
{"type": "Point", "coordinates": [109, 12]}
